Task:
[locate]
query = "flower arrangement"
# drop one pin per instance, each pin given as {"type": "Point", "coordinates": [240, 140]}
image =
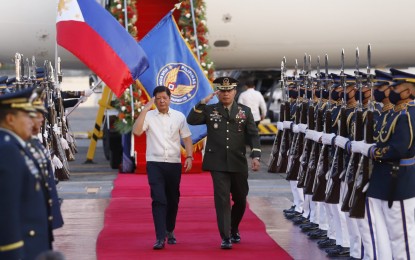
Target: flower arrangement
{"type": "Point", "coordinates": [186, 25]}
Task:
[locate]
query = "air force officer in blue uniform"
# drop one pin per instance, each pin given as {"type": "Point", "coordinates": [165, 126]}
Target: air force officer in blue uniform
{"type": "Point", "coordinates": [24, 228]}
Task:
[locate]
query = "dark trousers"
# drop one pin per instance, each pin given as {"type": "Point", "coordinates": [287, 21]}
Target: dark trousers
{"type": "Point", "coordinates": [227, 216]}
{"type": "Point", "coordinates": [164, 179]}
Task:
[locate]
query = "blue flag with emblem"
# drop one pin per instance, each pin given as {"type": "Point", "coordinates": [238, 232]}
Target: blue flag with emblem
{"type": "Point", "coordinates": [172, 64]}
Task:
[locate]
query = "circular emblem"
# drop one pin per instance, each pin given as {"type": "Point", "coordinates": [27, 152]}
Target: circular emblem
{"type": "Point", "coordinates": [180, 79]}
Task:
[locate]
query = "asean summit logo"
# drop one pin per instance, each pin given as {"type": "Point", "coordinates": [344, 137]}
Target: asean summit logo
{"type": "Point", "coordinates": [180, 79]}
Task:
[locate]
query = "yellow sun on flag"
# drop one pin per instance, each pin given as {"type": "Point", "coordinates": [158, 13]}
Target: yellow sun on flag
{"type": "Point", "coordinates": [62, 5]}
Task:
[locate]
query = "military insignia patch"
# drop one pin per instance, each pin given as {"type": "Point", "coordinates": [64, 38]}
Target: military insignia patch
{"type": "Point", "coordinates": [180, 79]}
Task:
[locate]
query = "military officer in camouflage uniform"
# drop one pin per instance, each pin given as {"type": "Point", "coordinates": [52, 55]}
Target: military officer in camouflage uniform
{"type": "Point", "coordinates": [230, 127]}
{"type": "Point", "coordinates": [24, 229]}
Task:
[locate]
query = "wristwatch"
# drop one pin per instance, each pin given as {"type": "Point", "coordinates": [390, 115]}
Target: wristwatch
{"type": "Point", "coordinates": [259, 159]}
{"type": "Point", "coordinates": [191, 157]}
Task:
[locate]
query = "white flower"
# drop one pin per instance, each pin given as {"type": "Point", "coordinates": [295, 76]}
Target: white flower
{"type": "Point", "coordinates": [205, 71]}
{"type": "Point", "coordinates": [203, 64]}
{"type": "Point", "coordinates": [119, 6]}
{"type": "Point", "coordinates": [187, 15]}
{"type": "Point", "coordinates": [123, 108]}
{"type": "Point", "coordinates": [203, 22]}
{"type": "Point", "coordinates": [124, 121]}
{"type": "Point", "coordinates": [200, 47]}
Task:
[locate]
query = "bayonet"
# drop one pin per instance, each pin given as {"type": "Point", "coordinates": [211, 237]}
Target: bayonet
{"type": "Point", "coordinates": [27, 70]}
{"type": "Point", "coordinates": [326, 81]}
{"type": "Point", "coordinates": [59, 70]}
{"type": "Point", "coordinates": [358, 81]}
{"type": "Point", "coordinates": [318, 80]}
{"type": "Point", "coordinates": [370, 76]}
{"type": "Point", "coordinates": [343, 79]}
{"type": "Point", "coordinates": [17, 59]}
{"type": "Point", "coordinates": [33, 69]}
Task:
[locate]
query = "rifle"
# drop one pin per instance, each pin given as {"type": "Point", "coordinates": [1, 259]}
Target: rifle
{"type": "Point", "coordinates": [358, 197]}
{"type": "Point", "coordinates": [320, 182]}
{"type": "Point", "coordinates": [358, 136]}
{"type": "Point", "coordinates": [337, 166]}
{"type": "Point", "coordinates": [54, 142]}
{"type": "Point", "coordinates": [306, 154]}
{"type": "Point", "coordinates": [298, 141]}
{"type": "Point", "coordinates": [275, 152]}
{"type": "Point", "coordinates": [315, 150]}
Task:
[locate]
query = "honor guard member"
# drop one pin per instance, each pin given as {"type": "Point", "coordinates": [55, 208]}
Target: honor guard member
{"type": "Point", "coordinates": [391, 188]}
{"type": "Point", "coordinates": [3, 85]}
{"type": "Point", "coordinates": [44, 164]}
{"type": "Point", "coordinates": [230, 127]}
{"type": "Point", "coordinates": [24, 212]}
{"type": "Point", "coordinates": [339, 218]}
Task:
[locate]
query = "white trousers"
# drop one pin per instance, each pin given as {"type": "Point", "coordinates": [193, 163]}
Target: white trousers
{"type": "Point", "coordinates": [394, 228]}
{"type": "Point", "coordinates": [298, 196]}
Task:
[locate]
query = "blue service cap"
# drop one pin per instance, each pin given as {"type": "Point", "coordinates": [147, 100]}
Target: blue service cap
{"type": "Point", "coordinates": [3, 80]}
{"type": "Point", "coordinates": [21, 99]}
{"type": "Point", "coordinates": [400, 77]}
{"type": "Point", "coordinates": [10, 81]}
{"type": "Point", "coordinates": [337, 80]}
{"type": "Point", "coordinates": [382, 78]}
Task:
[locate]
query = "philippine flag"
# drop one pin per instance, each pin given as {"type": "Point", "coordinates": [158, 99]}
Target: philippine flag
{"type": "Point", "coordinates": [93, 35]}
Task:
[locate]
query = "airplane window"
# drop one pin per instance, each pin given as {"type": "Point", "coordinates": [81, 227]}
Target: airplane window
{"type": "Point", "coordinates": [221, 43]}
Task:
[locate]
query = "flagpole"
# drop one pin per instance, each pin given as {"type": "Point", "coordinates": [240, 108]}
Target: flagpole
{"type": "Point", "coordinates": [194, 28]}
{"type": "Point", "coordinates": [131, 86]}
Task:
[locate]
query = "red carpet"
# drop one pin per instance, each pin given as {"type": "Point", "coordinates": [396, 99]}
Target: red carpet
{"type": "Point", "coordinates": [128, 231]}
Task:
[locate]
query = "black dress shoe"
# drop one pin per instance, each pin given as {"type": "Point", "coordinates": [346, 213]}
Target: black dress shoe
{"type": "Point", "coordinates": [292, 215]}
{"type": "Point", "coordinates": [159, 244]}
{"type": "Point", "coordinates": [307, 225]}
{"type": "Point", "coordinates": [290, 210]}
{"type": "Point", "coordinates": [300, 220]}
{"type": "Point", "coordinates": [171, 239]}
{"type": "Point", "coordinates": [344, 252]}
{"type": "Point", "coordinates": [327, 243]}
{"type": "Point", "coordinates": [226, 243]}
{"type": "Point", "coordinates": [334, 249]}
{"type": "Point", "coordinates": [236, 238]}
{"type": "Point", "coordinates": [319, 234]}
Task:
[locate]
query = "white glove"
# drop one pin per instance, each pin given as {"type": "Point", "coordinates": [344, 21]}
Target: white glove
{"type": "Point", "coordinates": [280, 126]}
{"type": "Point", "coordinates": [64, 143]}
{"type": "Point", "coordinates": [88, 92]}
{"type": "Point", "coordinates": [40, 137]}
{"type": "Point", "coordinates": [317, 135]}
{"type": "Point", "coordinates": [83, 99]}
{"type": "Point", "coordinates": [56, 162]}
{"type": "Point", "coordinates": [46, 134]}
{"type": "Point", "coordinates": [361, 147]}
{"type": "Point", "coordinates": [287, 124]}
{"type": "Point", "coordinates": [309, 134]}
{"type": "Point", "coordinates": [341, 141]}
{"type": "Point", "coordinates": [69, 138]}
{"type": "Point", "coordinates": [327, 138]}
{"type": "Point", "coordinates": [56, 129]}
{"type": "Point", "coordinates": [302, 128]}
{"type": "Point", "coordinates": [295, 128]}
